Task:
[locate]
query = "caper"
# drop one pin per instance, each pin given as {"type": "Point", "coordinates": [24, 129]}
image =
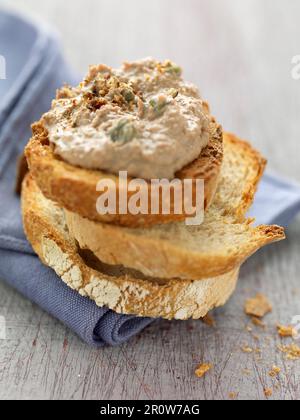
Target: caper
{"type": "Point", "coordinates": [124, 131]}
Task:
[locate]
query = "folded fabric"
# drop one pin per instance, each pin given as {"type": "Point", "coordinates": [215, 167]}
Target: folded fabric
{"type": "Point", "coordinates": [35, 84]}
{"type": "Point", "coordinates": [22, 66]}
{"type": "Point", "coordinates": [278, 201]}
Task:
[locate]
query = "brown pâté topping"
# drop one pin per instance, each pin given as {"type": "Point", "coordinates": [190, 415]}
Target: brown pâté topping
{"type": "Point", "coordinates": [102, 87]}
{"type": "Point", "coordinates": [68, 112]}
{"type": "Point", "coordinates": [93, 103]}
{"type": "Point", "coordinates": [107, 88]}
{"type": "Point", "coordinates": [169, 67]}
{"type": "Point", "coordinates": [66, 92]}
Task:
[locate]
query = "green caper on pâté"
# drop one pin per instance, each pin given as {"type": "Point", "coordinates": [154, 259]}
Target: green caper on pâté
{"type": "Point", "coordinates": [124, 131]}
{"type": "Point", "coordinates": [158, 106]}
{"type": "Point", "coordinates": [128, 95]}
{"type": "Point", "coordinates": [174, 69]}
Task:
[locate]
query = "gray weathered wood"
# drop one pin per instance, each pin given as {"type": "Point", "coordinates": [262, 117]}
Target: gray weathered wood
{"type": "Point", "coordinates": [239, 53]}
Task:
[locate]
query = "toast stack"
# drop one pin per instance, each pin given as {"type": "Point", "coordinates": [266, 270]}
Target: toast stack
{"type": "Point", "coordinates": [149, 266]}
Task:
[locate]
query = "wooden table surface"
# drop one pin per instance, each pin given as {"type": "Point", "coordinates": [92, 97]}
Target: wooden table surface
{"type": "Point", "coordinates": [239, 53]}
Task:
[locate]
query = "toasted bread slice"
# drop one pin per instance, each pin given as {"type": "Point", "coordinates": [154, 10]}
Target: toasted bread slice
{"type": "Point", "coordinates": [224, 241]}
{"type": "Point", "coordinates": [75, 188]}
{"type": "Point", "coordinates": [124, 291]}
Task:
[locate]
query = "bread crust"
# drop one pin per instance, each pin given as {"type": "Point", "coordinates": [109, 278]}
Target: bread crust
{"type": "Point", "coordinates": [162, 258]}
{"type": "Point", "coordinates": [170, 299]}
{"type": "Point", "coordinates": [254, 167]}
{"type": "Point", "coordinates": [165, 251]}
{"type": "Point", "coordinates": [75, 188]}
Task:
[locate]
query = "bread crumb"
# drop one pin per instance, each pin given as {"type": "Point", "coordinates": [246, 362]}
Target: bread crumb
{"type": "Point", "coordinates": [275, 371]}
{"type": "Point", "coordinates": [203, 369]}
{"type": "Point", "coordinates": [258, 307]}
{"type": "Point", "coordinates": [258, 322]}
{"type": "Point", "coordinates": [233, 395]}
{"type": "Point", "coordinates": [246, 372]}
{"type": "Point", "coordinates": [268, 392]}
{"type": "Point", "coordinates": [292, 351]}
{"type": "Point", "coordinates": [209, 320]}
{"type": "Point", "coordinates": [288, 331]}
{"type": "Point", "coordinates": [247, 349]}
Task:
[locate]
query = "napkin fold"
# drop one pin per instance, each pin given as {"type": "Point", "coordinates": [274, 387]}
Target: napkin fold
{"type": "Point", "coordinates": [277, 201]}
{"type": "Point", "coordinates": [35, 68]}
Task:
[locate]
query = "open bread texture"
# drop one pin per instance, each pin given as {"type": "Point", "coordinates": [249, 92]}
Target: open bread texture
{"type": "Point", "coordinates": [124, 291]}
{"type": "Point", "coordinates": [222, 243]}
{"type": "Point", "coordinates": [75, 188]}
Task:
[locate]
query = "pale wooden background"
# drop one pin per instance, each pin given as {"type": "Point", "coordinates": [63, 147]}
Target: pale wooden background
{"type": "Point", "coordinates": [239, 53]}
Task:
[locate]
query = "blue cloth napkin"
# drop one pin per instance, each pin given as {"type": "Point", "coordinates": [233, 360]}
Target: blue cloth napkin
{"type": "Point", "coordinates": [35, 68]}
{"type": "Point", "coordinates": [277, 201]}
